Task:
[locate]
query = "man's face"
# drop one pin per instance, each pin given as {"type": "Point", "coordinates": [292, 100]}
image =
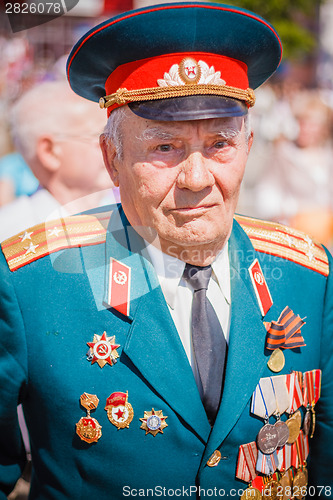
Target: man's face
{"type": "Point", "coordinates": [82, 165]}
{"type": "Point", "coordinates": [181, 179]}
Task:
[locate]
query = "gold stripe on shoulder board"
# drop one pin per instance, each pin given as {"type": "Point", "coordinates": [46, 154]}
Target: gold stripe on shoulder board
{"type": "Point", "coordinates": [282, 241]}
{"type": "Point", "coordinates": [51, 236]}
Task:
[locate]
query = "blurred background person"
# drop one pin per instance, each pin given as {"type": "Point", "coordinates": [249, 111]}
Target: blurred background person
{"type": "Point", "coordinates": [57, 134]}
{"type": "Point", "coordinates": [16, 178]}
{"type": "Point", "coordinates": [296, 188]}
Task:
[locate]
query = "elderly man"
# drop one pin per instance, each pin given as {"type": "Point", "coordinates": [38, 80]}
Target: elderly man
{"type": "Point", "coordinates": [164, 350]}
{"type": "Point", "coordinates": [61, 148]}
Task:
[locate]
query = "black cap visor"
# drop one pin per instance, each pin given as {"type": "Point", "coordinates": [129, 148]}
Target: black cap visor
{"type": "Point", "coordinates": [196, 107]}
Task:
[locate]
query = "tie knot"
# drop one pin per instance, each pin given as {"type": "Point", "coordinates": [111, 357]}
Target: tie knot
{"type": "Point", "coordinates": [197, 276]}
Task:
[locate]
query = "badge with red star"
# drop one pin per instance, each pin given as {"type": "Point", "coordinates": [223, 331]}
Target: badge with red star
{"type": "Point", "coordinates": [103, 349]}
{"type": "Point", "coordinates": [153, 422]}
{"type": "Point", "coordinates": [119, 410]}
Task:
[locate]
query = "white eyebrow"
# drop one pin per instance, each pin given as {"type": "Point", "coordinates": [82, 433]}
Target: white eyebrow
{"type": "Point", "coordinates": [158, 133]}
{"type": "Point", "coordinates": [229, 133]}
{"type": "Point", "coordinates": [155, 133]}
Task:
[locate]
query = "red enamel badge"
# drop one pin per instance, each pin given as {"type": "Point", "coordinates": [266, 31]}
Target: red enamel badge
{"type": "Point", "coordinates": [260, 287]}
{"type": "Point", "coordinates": [103, 350]}
{"type": "Point", "coordinates": [119, 286]}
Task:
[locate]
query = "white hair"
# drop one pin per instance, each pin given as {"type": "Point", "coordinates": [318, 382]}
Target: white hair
{"type": "Point", "coordinates": [47, 108]}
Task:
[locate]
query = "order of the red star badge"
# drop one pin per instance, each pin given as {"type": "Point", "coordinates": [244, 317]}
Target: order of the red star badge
{"type": "Point", "coordinates": [119, 410]}
{"type": "Point", "coordinates": [153, 422]}
{"type": "Point", "coordinates": [103, 350]}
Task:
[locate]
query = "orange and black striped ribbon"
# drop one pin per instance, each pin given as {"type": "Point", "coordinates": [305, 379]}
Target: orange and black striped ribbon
{"type": "Point", "coordinates": [286, 332]}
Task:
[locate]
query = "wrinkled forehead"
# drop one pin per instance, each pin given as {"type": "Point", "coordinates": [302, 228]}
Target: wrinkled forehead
{"type": "Point", "coordinates": [156, 129]}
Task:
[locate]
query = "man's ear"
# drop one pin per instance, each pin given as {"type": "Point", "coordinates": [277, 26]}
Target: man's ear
{"type": "Point", "coordinates": [110, 158]}
{"type": "Point", "coordinates": [48, 153]}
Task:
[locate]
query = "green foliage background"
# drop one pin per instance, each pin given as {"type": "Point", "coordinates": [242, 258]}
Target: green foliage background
{"type": "Point", "coordinates": [295, 21]}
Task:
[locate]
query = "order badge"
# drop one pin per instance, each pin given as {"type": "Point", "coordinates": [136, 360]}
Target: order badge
{"type": "Point", "coordinates": [119, 410]}
{"type": "Point", "coordinates": [153, 422]}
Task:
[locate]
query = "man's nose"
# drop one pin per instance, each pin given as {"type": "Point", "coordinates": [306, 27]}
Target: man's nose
{"type": "Point", "coordinates": [195, 174]}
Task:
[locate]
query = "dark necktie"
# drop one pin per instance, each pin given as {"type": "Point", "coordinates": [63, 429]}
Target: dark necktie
{"type": "Point", "coordinates": [209, 343]}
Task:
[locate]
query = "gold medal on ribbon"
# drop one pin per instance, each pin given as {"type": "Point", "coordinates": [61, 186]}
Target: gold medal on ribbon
{"type": "Point", "coordinates": [300, 483]}
{"type": "Point", "coordinates": [271, 489]}
{"type": "Point", "coordinates": [153, 422]}
{"type": "Point", "coordinates": [294, 424]}
{"type": "Point", "coordinates": [276, 361]}
{"type": "Point", "coordinates": [88, 428]}
{"type": "Point", "coordinates": [312, 389]}
{"type": "Point", "coordinates": [120, 412]}
{"type": "Point", "coordinates": [251, 493]}
{"type": "Point", "coordinates": [285, 484]}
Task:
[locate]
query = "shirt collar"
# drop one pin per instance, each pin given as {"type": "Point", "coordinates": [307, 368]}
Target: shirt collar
{"type": "Point", "coordinates": [170, 272]}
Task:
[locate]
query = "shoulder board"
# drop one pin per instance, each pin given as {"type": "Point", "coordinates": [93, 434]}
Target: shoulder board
{"type": "Point", "coordinates": [51, 236]}
{"type": "Point", "coordinates": [282, 241]}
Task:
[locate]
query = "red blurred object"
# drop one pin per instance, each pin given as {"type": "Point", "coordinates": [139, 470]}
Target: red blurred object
{"type": "Point", "coordinates": [117, 5]}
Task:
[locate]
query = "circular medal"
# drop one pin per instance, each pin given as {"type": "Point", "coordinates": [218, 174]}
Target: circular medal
{"type": "Point", "coordinates": [251, 493]}
{"type": "Point", "coordinates": [271, 490]}
{"type": "Point", "coordinates": [88, 429]}
{"type": "Point", "coordinates": [267, 439]}
{"type": "Point", "coordinates": [154, 422]}
{"type": "Point", "coordinates": [300, 483]}
{"type": "Point", "coordinates": [276, 361]}
{"type": "Point", "coordinates": [294, 425]}
{"type": "Point", "coordinates": [285, 484]}
{"type": "Point", "coordinates": [283, 432]}
{"type": "Point", "coordinates": [307, 422]}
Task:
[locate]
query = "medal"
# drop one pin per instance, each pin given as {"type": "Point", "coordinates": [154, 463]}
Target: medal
{"type": "Point", "coordinates": [276, 361]}
{"type": "Point", "coordinates": [103, 350]}
{"type": "Point", "coordinates": [271, 489]}
{"type": "Point", "coordinates": [285, 484]}
{"type": "Point", "coordinates": [267, 439]}
{"type": "Point", "coordinates": [282, 431]}
{"type": "Point", "coordinates": [307, 421]}
{"type": "Point", "coordinates": [311, 393]}
{"type": "Point", "coordinates": [294, 424]}
{"type": "Point", "coordinates": [87, 428]}
{"type": "Point", "coordinates": [153, 422]}
{"type": "Point", "coordinates": [300, 483]}
{"type": "Point", "coordinates": [251, 493]}
{"type": "Point", "coordinates": [120, 412]}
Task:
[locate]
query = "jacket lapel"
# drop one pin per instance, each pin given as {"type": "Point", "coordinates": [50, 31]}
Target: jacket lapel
{"type": "Point", "coordinates": [246, 359]}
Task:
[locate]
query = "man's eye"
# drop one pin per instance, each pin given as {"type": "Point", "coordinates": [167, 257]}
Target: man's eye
{"type": "Point", "coordinates": [165, 148]}
{"type": "Point", "coordinates": [220, 144]}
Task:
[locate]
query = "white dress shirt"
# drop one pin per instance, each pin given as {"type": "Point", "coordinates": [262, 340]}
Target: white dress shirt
{"type": "Point", "coordinates": [179, 294]}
